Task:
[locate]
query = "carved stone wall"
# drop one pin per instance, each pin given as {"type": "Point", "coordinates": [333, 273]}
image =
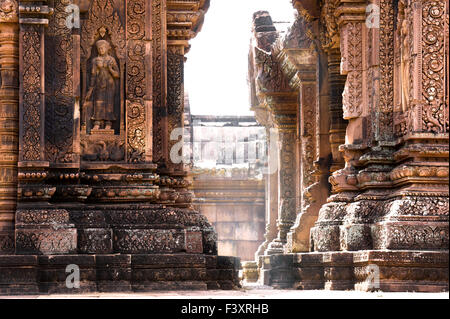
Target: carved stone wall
{"type": "Point", "coordinates": [389, 176]}
{"type": "Point", "coordinates": [82, 178]}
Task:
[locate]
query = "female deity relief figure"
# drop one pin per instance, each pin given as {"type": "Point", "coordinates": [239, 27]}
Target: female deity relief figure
{"type": "Point", "coordinates": [405, 62]}
{"type": "Point", "coordinates": [102, 88]}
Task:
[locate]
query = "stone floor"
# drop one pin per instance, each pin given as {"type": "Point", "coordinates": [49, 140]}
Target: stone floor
{"type": "Point", "coordinates": [247, 292]}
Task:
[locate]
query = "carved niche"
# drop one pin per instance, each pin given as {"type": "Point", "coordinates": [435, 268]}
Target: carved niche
{"type": "Point", "coordinates": [102, 81]}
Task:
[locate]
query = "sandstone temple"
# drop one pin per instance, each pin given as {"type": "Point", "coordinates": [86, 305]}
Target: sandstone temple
{"type": "Point", "coordinates": [353, 101]}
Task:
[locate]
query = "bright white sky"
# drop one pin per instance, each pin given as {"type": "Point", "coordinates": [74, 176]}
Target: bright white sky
{"type": "Point", "coordinates": [217, 64]}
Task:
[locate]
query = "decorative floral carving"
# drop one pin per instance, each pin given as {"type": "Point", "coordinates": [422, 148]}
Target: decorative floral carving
{"type": "Point", "coordinates": [103, 21]}
{"type": "Point", "coordinates": [386, 95]}
{"type": "Point", "coordinates": [352, 55]}
{"type": "Point", "coordinates": [59, 99]}
{"type": "Point", "coordinates": [435, 109]}
{"type": "Point", "coordinates": [329, 33]}
{"type": "Point", "coordinates": [136, 81]}
{"type": "Point", "coordinates": [175, 94]}
{"type": "Point", "coordinates": [8, 10]}
{"type": "Point", "coordinates": [31, 98]}
{"type": "Point", "coordinates": [159, 81]}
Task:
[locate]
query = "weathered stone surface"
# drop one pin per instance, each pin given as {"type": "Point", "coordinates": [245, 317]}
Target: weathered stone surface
{"type": "Point", "coordinates": [18, 275]}
{"type": "Point", "coordinates": [86, 177]}
{"type": "Point", "coordinates": [46, 241]}
{"type": "Point", "coordinates": [95, 241]}
{"type": "Point", "coordinates": [371, 158]}
{"type": "Point", "coordinates": [141, 241]}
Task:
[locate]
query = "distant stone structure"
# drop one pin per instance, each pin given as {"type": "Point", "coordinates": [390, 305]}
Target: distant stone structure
{"type": "Point", "coordinates": [228, 155]}
{"type": "Point", "coordinates": [358, 91]}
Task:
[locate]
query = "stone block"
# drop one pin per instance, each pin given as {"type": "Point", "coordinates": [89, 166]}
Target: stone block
{"type": "Point", "coordinates": [411, 235]}
{"type": "Point", "coordinates": [225, 213]}
{"type": "Point", "coordinates": [18, 275]}
{"type": "Point", "coordinates": [194, 242]}
{"type": "Point", "coordinates": [246, 231]}
{"type": "Point", "coordinates": [56, 273]}
{"type": "Point", "coordinates": [227, 247]}
{"type": "Point", "coordinates": [95, 241]}
{"type": "Point", "coordinates": [355, 237]}
{"type": "Point", "coordinates": [226, 231]}
{"type": "Point", "coordinates": [338, 270]}
{"type": "Point", "coordinates": [396, 271]}
{"type": "Point", "coordinates": [309, 272]}
{"type": "Point", "coordinates": [142, 241]}
{"type": "Point", "coordinates": [46, 241]}
{"type": "Point", "coordinates": [113, 273]}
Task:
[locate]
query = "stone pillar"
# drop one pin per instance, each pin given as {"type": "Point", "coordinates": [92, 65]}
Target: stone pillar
{"type": "Point", "coordinates": [421, 114]}
{"type": "Point", "coordinates": [264, 35]}
{"type": "Point", "coordinates": [170, 112]}
{"type": "Point", "coordinates": [271, 180]}
{"type": "Point", "coordinates": [353, 38]}
{"type": "Point", "coordinates": [338, 125]}
{"type": "Point", "coordinates": [54, 234]}
{"type": "Point", "coordinates": [299, 234]}
{"type": "Point", "coordinates": [139, 100]}
{"type": "Point", "coordinates": [9, 124]}
{"type": "Point", "coordinates": [286, 186]}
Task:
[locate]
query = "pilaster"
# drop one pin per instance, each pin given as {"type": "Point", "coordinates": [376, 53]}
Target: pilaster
{"type": "Point", "coordinates": [9, 121]}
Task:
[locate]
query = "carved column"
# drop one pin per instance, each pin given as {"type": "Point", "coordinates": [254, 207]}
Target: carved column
{"type": "Point", "coordinates": [271, 181]}
{"type": "Point", "coordinates": [33, 167]}
{"type": "Point", "coordinates": [299, 234]}
{"type": "Point", "coordinates": [9, 124]}
{"type": "Point", "coordinates": [422, 128]}
{"type": "Point", "coordinates": [299, 54]}
{"type": "Point", "coordinates": [353, 43]}
{"type": "Point", "coordinates": [183, 21]}
{"type": "Point", "coordinates": [159, 31]}
{"type": "Point", "coordinates": [285, 123]}
{"type": "Point", "coordinates": [264, 34]}
{"type": "Point", "coordinates": [338, 125]}
{"type": "Point", "coordinates": [139, 81]}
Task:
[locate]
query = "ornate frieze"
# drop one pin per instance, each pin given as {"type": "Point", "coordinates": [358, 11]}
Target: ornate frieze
{"type": "Point", "coordinates": [434, 71]}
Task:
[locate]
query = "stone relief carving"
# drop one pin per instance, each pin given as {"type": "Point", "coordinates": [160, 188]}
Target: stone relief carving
{"type": "Point", "coordinates": [103, 88]}
{"type": "Point", "coordinates": [103, 55]}
{"type": "Point", "coordinates": [31, 93]}
{"type": "Point", "coordinates": [136, 81]}
{"type": "Point", "coordinates": [435, 110]}
{"type": "Point", "coordinates": [8, 10]}
{"type": "Point", "coordinates": [59, 80]}
{"type": "Point", "coordinates": [352, 66]}
{"type": "Point", "coordinates": [159, 81]}
{"type": "Point", "coordinates": [329, 34]}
